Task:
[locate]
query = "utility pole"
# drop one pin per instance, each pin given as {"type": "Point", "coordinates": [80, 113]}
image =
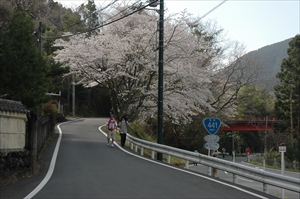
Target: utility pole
{"type": "Point", "coordinates": [154, 3]}
{"type": "Point", "coordinates": [266, 134]}
{"type": "Point", "coordinates": [160, 77]}
{"type": "Point", "coordinates": [73, 95]}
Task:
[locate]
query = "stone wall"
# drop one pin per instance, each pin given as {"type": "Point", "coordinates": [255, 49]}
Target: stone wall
{"type": "Point", "coordinates": [13, 118]}
{"type": "Point", "coordinates": [12, 131]}
{"type": "Point", "coordinates": [15, 164]}
{"type": "Point", "coordinates": [15, 160]}
{"type": "Point", "coordinates": [22, 137]}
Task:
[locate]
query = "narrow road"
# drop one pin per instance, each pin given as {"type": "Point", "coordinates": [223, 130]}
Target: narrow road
{"type": "Point", "coordinates": [85, 167]}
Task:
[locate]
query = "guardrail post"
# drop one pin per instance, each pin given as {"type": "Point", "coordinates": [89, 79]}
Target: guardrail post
{"type": "Point", "coordinates": [186, 164]}
{"type": "Point", "coordinates": [136, 148]}
{"type": "Point", "coordinates": [142, 151]}
{"type": "Point", "coordinates": [131, 146]}
{"type": "Point", "coordinates": [265, 186]}
{"type": "Point", "coordinates": [152, 154]}
{"type": "Point", "coordinates": [168, 159]}
{"type": "Point", "coordinates": [235, 179]}
{"type": "Point", "coordinates": [233, 156]}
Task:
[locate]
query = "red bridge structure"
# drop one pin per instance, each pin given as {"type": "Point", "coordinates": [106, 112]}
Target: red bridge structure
{"type": "Point", "coordinates": [249, 124]}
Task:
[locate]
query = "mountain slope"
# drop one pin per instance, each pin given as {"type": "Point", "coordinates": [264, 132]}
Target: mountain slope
{"type": "Point", "coordinates": [270, 58]}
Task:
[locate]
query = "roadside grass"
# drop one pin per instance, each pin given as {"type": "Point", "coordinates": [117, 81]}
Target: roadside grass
{"type": "Point", "coordinates": [181, 162]}
{"type": "Point", "coordinates": [273, 167]}
{"type": "Point", "coordinates": [173, 160]}
{"type": "Point", "coordinates": [147, 153]}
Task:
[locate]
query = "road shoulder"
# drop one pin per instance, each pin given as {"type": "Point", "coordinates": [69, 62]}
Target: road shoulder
{"type": "Point", "coordinates": [25, 185]}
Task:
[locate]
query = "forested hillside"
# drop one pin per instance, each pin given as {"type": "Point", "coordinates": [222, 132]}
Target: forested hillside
{"type": "Point", "coordinates": [270, 58]}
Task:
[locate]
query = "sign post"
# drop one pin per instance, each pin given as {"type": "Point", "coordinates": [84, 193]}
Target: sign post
{"type": "Point", "coordinates": [282, 149]}
{"type": "Point", "coordinates": [211, 125]}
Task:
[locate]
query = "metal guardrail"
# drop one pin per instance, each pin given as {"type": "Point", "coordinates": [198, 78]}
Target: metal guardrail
{"type": "Point", "coordinates": [265, 177]}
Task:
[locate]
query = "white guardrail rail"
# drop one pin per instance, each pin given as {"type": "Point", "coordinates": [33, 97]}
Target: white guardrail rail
{"type": "Point", "coordinates": [265, 177]}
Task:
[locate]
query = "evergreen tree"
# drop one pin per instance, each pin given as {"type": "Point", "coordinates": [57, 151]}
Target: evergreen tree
{"type": "Point", "coordinates": [23, 69]}
{"type": "Point", "coordinates": [254, 102]}
{"type": "Point", "coordinates": [90, 16]}
{"type": "Point", "coordinates": [72, 22]}
{"type": "Point", "coordinates": [287, 92]}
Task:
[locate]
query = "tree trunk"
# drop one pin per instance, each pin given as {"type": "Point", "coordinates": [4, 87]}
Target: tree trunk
{"type": "Point", "coordinates": [291, 115]}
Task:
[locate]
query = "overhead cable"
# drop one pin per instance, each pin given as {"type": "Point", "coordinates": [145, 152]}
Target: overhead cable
{"type": "Point", "coordinates": [213, 9]}
{"type": "Point", "coordinates": [100, 26]}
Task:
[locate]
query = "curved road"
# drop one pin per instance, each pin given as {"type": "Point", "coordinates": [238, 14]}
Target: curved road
{"type": "Point", "coordinates": [85, 167]}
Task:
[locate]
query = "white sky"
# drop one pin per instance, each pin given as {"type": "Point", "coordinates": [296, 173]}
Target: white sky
{"type": "Point", "coordinates": [253, 23]}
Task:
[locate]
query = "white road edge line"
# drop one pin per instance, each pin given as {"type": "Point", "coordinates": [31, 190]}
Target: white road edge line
{"type": "Point", "coordinates": [54, 157]}
{"type": "Point", "coordinates": [51, 167]}
{"type": "Point", "coordinates": [229, 185]}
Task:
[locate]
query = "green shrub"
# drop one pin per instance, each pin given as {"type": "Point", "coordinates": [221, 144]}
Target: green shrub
{"type": "Point", "coordinates": [50, 109]}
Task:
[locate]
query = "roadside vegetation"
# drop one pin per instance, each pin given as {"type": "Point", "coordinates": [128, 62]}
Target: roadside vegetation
{"type": "Point", "coordinates": [46, 48]}
{"type": "Point", "coordinates": [273, 161]}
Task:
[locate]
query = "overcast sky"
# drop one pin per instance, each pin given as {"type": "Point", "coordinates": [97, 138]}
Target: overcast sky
{"type": "Point", "coordinates": [253, 23]}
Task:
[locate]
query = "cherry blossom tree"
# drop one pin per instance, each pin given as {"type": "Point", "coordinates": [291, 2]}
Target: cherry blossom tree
{"type": "Point", "coordinates": [123, 59]}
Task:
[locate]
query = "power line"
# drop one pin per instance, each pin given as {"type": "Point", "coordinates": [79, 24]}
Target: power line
{"type": "Point", "coordinates": [213, 9]}
{"type": "Point", "coordinates": [113, 21]}
{"type": "Point", "coordinates": [100, 26]}
{"type": "Point", "coordinates": [123, 10]}
{"type": "Point", "coordinates": [76, 9]}
{"type": "Point", "coordinates": [108, 5]}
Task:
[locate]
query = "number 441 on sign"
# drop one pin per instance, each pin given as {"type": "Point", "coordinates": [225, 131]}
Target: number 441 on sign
{"type": "Point", "coordinates": [212, 125]}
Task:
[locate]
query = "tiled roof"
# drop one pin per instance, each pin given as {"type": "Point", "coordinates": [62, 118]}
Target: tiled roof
{"type": "Point", "coordinates": [12, 106]}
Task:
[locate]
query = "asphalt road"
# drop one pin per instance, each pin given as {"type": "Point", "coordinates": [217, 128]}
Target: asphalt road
{"type": "Point", "coordinates": [85, 167]}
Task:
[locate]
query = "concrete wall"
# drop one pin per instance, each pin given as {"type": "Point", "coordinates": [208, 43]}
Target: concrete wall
{"type": "Point", "coordinates": [12, 131]}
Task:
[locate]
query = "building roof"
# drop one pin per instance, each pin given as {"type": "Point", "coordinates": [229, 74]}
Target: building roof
{"type": "Point", "coordinates": [12, 106]}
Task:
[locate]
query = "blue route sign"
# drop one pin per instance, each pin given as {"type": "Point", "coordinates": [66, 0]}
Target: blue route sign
{"type": "Point", "coordinates": [212, 125]}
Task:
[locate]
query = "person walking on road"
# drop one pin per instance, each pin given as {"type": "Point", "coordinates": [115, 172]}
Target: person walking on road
{"type": "Point", "coordinates": [223, 152]}
{"type": "Point", "coordinates": [248, 152]}
{"type": "Point", "coordinates": [111, 127]}
{"type": "Point", "coordinates": [123, 125]}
